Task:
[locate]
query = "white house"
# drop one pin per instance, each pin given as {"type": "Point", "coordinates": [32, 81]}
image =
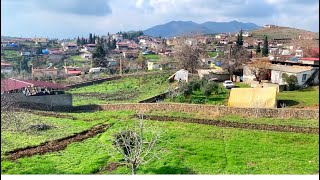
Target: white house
{"type": "Point", "coordinates": [154, 66]}
{"type": "Point", "coordinates": [97, 70]}
{"type": "Point", "coordinates": [89, 47]}
{"type": "Point", "coordinates": [181, 75]}
{"type": "Point", "coordinates": [86, 55]}
{"type": "Point", "coordinates": [303, 73]}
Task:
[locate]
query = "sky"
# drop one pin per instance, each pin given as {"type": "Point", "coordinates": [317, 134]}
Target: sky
{"type": "Point", "coordinates": [72, 18]}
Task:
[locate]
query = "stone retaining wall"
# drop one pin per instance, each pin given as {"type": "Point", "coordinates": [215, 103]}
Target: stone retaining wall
{"type": "Point", "coordinates": [284, 113]}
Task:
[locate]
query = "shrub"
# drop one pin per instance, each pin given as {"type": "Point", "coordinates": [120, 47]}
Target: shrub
{"type": "Point", "coordinates": [195, 85]}
{"type": "Point", "coordinates": [198, 100]}
{"type": "Point", "coordinates": [180, 98]}
{"type": "Point", "coordinates": [207, 90]}
{"type": "Point", "coordinates": [221, 89]}
{"type": "Point", "coordinates": [185, 89]}
{"type": "Point", "coordinates": [291, 81]}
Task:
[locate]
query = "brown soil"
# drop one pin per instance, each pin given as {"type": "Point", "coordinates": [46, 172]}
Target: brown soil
{"type": "Point", "coordinates": [266, 127]}
{"type": "Point", "coordinates": [117, 96]}
{"type": "Point", "coordinates": [110, 167]}
{"type": "Point", "coordinates": [56, 145]}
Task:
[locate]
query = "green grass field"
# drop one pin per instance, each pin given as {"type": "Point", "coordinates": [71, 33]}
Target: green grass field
{"type": "Point", "coordinates": [189, 149]}
{"type": "Point", "coordinates": [212, 54]}
{"type": "Point", "coordinates": [11, 54]}
{"type": "Point", "coordinates": [77, 58]}
{"type": "Point", "coordinates": [61, 128]}
{"type": "Point", "coordinates": [152, 56]}
{"type": "Point", "coordinates": [300, 98]}
{"type": "Point", "coordinates": [129, 89]}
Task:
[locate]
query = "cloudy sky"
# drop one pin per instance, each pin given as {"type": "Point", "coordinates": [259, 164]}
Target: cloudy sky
{"type": "Point", "coordinates": [70, 18]}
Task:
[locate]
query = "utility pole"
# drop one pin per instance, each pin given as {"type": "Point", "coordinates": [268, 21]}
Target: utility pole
{"type": "Point", "coordinates": [120, 66]}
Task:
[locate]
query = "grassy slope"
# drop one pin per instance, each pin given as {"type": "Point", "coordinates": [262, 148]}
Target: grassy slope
{"type": "Point", "coordinates": [11, 54]}
{"type": "Point", "coordinates": [237, 118]}
{"type": "Point", "coordinates": [300, 98]}
{"type": "Point", "coordinates": [146, 87]}
{"type": "Point", "coordinates": [62, 128]}
{"type": "Point", "coordinates": [279, 32]}
{"type": "Point", "coordinates": [190, 148]}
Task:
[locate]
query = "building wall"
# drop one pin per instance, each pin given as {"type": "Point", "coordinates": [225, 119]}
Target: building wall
{"type": "Point", "coordinates": [248, 77]}
{"type": "Point", "coordinates": [154, 66]}
{"type": "Point", "coordinates": [276, 77]}
{"type": "Point", "coordinates": [50, 100]}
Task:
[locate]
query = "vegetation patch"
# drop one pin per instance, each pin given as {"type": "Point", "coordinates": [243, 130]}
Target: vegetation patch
{"type": "Point", "coordinates": [266, 127]}
{"type": "Point", "coordinates": [56, 145]}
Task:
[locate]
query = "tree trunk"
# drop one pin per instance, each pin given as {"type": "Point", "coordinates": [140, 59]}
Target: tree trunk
{"type": "Point", "coordinates": [134, 169]}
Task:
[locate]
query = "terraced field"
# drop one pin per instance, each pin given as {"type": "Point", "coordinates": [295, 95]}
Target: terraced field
{"type": "Point", "coordinates": [128, 89]}
{"type": "Point", "coordinates": [222, 145]}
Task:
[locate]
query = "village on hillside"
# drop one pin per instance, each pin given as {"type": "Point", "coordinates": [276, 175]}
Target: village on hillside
{"type": "Point", "coordinates": [245, 102]}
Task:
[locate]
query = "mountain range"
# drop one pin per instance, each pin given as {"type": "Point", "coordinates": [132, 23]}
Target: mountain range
{"type": "Point", "coordinates": [176, 28]}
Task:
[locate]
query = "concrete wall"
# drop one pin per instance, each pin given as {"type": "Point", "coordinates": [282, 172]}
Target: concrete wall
{"type": "Point", "coordinates": [50, 100]}
{"type": "Point", "coordinates": [253, 97]}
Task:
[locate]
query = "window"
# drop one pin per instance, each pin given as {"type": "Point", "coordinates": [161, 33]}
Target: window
{"type": "Point", "coordinates": [209, 62]}
{"type": "Point", "coordinates": [304, 77]}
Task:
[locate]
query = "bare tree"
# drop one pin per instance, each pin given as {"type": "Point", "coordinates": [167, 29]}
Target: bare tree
{"type": "Point", "coordinates": [189, 57]}
{"type": "Point", "coordinates": [138, 145]}
{"type": "Point", "coordinates": [235, 58]}
{"type": "Point", "coordinates": [260, 68]}
{"type": "Point", "coordinates": [142, 61]}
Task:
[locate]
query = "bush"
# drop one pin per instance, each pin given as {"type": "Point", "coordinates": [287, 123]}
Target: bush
{"type": "Point", "coordinates": [291, 81]}
{"type": "Point", "coordinates": [209, 88]}
{"type": "Point", "coordinates": [221, 89]}
{"type": "Point", "coordinates": [185, 89]}
{"type": "Point", "coordinates": [198, 100]}
{"type": "Point", "coordinates": [195, 85]}
{"type": "Point", "coordinates": [180, 98]}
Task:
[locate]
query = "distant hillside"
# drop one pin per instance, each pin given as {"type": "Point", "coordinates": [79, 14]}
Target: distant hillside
{"type": "Point", "coordinates": [282, 32]}
{"type": "Point", "coordinates": [176, 28]}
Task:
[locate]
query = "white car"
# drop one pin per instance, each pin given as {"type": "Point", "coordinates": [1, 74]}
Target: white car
{"type": "Point", "coordinates": [228, 84]}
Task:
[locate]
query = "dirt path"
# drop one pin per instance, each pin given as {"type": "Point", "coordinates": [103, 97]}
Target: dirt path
{"type": "Point", "coordinates": [56, 145]}
{"type": "Point", "coordinates": [266, 127]}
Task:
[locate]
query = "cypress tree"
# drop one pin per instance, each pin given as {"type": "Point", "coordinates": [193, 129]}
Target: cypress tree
{"type": "Point", "coordinates": [265, 50]}
{"type": "Point", "coordinates": [240, 39]}
{"type": "Point", "coordinates": [258, 50]}
{"type": "Point", "coordinates": [90, 38]}
{"type": "Point", "coordinates": [78, 41]}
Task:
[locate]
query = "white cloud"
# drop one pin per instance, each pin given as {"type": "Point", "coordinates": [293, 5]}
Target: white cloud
{"type": "Point", "coordinates": [27, 16]}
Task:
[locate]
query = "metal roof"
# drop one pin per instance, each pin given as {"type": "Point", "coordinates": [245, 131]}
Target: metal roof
{"type": "Point", "coordinates": [15, 84]}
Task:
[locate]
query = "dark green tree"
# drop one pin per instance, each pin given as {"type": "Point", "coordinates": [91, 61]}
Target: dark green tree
{"type": "Point", "coordinates": [82, 41]}
{"type": "Point", "coordinates": [258, 50]}
{"type": "Point", "coordinates": [39, 51]}
{"type": "Point", "coordinates": [94, 39]}
{"type": "Point", "coordinates": [90, 38]}
{"type": "Point", "coordinates": [265, 50]}
{"type": "Point", "coordinates": [109, 43]}
{"type": "Point", "coordinates": [114, 44]}
{"type": "Point", "coordinates": [240, 39]}
{"type": "Point", "coordinates": [78, 41]}
{"type": "Point", "coordinates": [99, 56]}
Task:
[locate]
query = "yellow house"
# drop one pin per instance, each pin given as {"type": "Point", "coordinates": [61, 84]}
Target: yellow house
{"type": "Point", "coordinates": [253, 97]}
